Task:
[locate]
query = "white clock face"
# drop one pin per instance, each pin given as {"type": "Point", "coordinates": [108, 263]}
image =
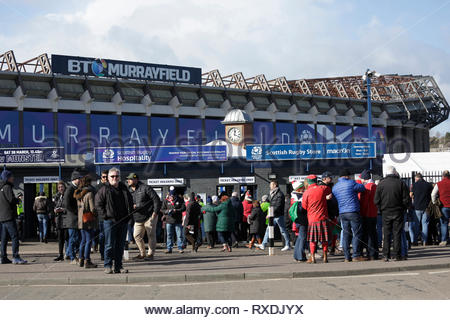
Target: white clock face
{"type": "Point", "coordinates": [234, 135]}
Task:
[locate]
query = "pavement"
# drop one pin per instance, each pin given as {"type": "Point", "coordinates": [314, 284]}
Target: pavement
{"type": "Point", "coordinates": [207, 265]}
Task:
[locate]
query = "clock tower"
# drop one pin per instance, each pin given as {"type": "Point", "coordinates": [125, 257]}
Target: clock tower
{"type": "Point", "coordinates": [238, 128]}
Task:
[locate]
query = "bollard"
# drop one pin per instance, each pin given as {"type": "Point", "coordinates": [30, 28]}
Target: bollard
{"type": "Point", "coordinates": [126, 253]}
{"type": "Point", "coordinates": [271, 233]}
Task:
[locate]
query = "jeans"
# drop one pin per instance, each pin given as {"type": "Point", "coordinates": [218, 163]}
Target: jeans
{"type": "Point", "coordinates": [224, 237]}
{"type": "Point", "coordinates": [370, 238]}
{"type": "Point", "coordinates": [43, 220]}
{"type": "Point", "coordinates": [379, 230]}
{"type": "Point", "coordinates": [130, 230]}
{"type": "Point", "coordinates": [419, 218]}
{"type": "Point", "coordinates": [300, 243]}
{"type": "Point", "coordinates": [9, 227]}
{"type": "Point", "coordinates": [101, 238]}
{"type": "Point", "coordinates": [280, 222]}
{"type": "Point", "coordinates": [444, 223]}
{"type": "Point", "coordinates": [178, 228]}
{"type": "Point", "coordinates": [115, 237]}
{"type": "Point", "coordinates": [86, 243]}
{"type": "Point", "coordinates": [351, 224]}
{"type": "Point", "coordinates": [73, 239]}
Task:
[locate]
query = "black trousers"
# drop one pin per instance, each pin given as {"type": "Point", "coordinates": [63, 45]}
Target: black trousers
{"type": "Point", "coordinates": [62, 237]}
{"type": "Point", "coordinates": [235, 235]}
{"type": "Point", "coordinates": [392, 226]}
{"type": "Point", "coordinates": [192, 238]}
{"type": "Point", "coordinates": [370, 237]}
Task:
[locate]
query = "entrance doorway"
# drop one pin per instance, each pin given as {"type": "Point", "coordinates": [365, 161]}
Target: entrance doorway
{"type": "Point", "coordinates": [227, 189]}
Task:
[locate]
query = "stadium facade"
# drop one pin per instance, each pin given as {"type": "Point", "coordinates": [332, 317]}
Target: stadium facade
{"type": "Point", "coordinates": [41, 107]}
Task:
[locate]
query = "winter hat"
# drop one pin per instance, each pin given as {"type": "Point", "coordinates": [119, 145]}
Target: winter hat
{"type": "Point", "coordinates": [264, 198]}
{"type": "Point", "coordinates": [366, 175]}
{"type": "Point", "coordinates": [298, 186]}
{"type": "Point", "coordinates": [208, 200]}
{"type": "Point", "coordinates": [42, 194]}
{"type": "Point", "coordinates": [312, 178]}
{"type": "Point", "coordinates": [327, 174]}
{"type": "Point", "coordinates": [78, 174]}
{"type": "Point", "coordinates": [344, 173]}
{"type": "Point", "coordinates": [214, 199]}
{"type": "Point", "coordinates": [248, 196]}
{"type": "Point", "coordinates": [172, 190]}
{"type": "Point", "coordinates": [6, 175]}
{"type": "Point", "coordinates": [235, 194]}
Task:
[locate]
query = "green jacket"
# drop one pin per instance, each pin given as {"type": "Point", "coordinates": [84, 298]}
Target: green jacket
{"type": "Point", "coordinates": [225, 216]}
{"type": "Point", "coordinates": [209, 218]}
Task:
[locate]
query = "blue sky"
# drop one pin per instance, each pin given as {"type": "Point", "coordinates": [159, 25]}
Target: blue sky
{"type": "Point", "coordinates": [297, 39]}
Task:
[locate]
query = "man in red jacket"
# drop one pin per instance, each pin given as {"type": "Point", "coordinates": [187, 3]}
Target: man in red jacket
{"type": "Point", "coordinates": [369, 214]}
{"type": "Point", "coordinates": [442, 189]}
{"type": "Point", "coordinates": [315, 203]}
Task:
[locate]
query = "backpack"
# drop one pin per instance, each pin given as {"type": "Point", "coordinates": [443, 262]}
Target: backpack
{"type": "Point", "coordinates": [293, 211]}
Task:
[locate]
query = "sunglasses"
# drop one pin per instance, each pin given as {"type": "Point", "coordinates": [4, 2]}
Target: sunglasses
{"type": "Point", "coordinates": [104, 177]}
{"type": "Point", "coordinates": [114, 176]}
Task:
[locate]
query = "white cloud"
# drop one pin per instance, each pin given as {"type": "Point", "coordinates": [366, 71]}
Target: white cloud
{"type": "Point", "coordinates": [297, 39]}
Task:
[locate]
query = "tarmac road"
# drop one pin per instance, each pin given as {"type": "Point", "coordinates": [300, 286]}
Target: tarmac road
{"type": "Point", "coordinates": [419, 285]}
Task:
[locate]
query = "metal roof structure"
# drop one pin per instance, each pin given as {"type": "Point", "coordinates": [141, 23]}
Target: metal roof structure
{"type": "Point", "coordinates": [407, 98]}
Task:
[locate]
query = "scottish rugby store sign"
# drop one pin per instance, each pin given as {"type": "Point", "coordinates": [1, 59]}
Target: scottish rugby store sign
{"type": "Point", "coordinates": [32, 155]}
{"type": "Point", "coordinates": [82, 66]}
{"type": "Point", "coordinates": [160, 154]}
{"type": "Point", "coordinates": [311, 151]}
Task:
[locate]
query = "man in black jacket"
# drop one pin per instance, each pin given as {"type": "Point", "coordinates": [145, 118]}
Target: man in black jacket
{"type": "Point", "coordinates": [392, 199]}
{"type": "Point", "coordinates": [114, 204]}
{"type": "Point", "coordinates": [147, 205]}
{"type": "Point", "coordinates": [172, 210]}
{"type": "Point", "coordinates": [239, 209]}
{"type": "Point", "coordinates": [277, 201]}
{"type": "Point", "coordinates": [8, 214]}
{"type": "Point", "coordinates": [70, 214]}
{"type": "Point", "coordinates": [421, 197]}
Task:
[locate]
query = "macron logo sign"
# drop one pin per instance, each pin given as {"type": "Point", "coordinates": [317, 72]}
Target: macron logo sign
{"type": "Point", "coordinates": [70, 65]}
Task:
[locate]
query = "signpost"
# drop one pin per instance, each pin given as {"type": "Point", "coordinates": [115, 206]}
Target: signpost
{"type": "Point", "coordinates": [32, 155]}
{"type": "Point", "coordinates": [311, 151]}
{"type": "Point", "coordinates": [84, 66]}
{"type": "Point", "coordinates": [160, 154]}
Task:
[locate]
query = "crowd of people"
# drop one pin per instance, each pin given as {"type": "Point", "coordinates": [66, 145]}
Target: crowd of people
{"type": "Point", "coordinates": [352, 217]}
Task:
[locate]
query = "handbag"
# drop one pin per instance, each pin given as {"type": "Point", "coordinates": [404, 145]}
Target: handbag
{"type": "Point", "coordinates": [88, 217]}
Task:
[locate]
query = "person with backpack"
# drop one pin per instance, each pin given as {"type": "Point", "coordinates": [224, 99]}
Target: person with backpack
{"type": "Point", "coordinates": [41, 208]}
{"type": "Point", "coordinates": [298, 216]}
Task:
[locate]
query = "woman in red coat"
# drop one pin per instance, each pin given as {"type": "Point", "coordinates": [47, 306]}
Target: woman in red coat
{"type": "Point", "coordinates": [248, 206]}
{"type": "Point", "coordinates": [315, 203]}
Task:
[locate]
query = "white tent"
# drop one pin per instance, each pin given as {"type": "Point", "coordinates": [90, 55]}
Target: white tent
{"type": "Point", "coordinates": [405, 163]}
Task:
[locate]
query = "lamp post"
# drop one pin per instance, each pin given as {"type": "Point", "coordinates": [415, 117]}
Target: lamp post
{"type": "Point", "coordinates": [368, 77]}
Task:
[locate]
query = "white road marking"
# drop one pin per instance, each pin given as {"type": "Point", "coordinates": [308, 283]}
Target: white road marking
{"type": "Point", "coordinates": [436, 272]}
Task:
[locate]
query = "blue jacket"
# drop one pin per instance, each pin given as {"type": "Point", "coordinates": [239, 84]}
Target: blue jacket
{"type": "Point", "coordinates": [346, 193]}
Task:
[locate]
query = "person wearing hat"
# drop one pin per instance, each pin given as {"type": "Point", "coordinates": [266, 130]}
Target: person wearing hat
{"type": "Point", "coordinates": [346, 193]}
{"type": "Point", "coordinates": [8, 213]}
{"type": "Point", "coordinates": [300, 224]}
{"type": "Point", "coordinates": [247, 204]}
{"type": "Point", "coordinates": [369, 213]}
{"type": "Point", "coordinates": [333, 211]}
{"type": "Point", "coordinates": [238, 219]}
{"type": "Point", "coordinates": [70, 214]}
{"type": "Point", "coordinates": [210, 220]}
{"type": "Point", "coordinates": [314, 201]}
{"type": "Point", "coordinates": [172, 209]}
{"type": "Point", "coordinates": [146, 204]}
